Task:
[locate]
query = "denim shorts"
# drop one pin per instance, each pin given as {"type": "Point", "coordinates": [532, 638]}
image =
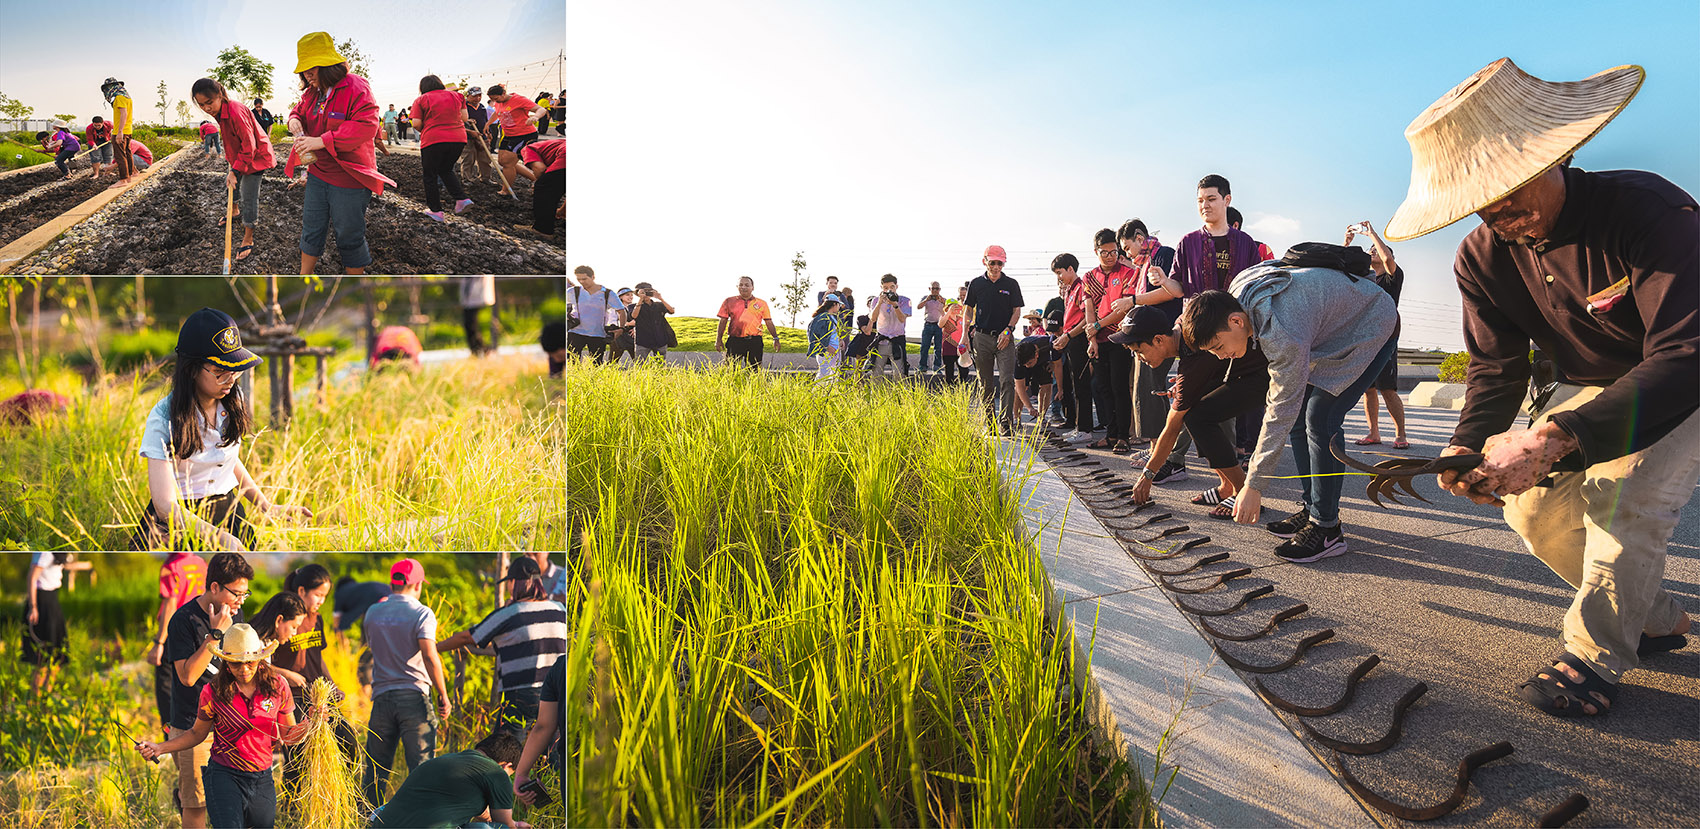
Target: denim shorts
{"type": "Point", "coordinates": [326, 205]}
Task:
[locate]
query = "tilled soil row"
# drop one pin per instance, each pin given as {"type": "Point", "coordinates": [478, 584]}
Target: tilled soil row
{"type": "Point", "coordinates": [171, 226]}
{"type": "Point", "coordinates": [46, 203]}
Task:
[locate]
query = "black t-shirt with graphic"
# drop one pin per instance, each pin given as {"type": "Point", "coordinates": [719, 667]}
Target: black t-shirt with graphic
{"type": "Point", "coordinates": [1224, 261]}
{"type": "Point", "coordinates": [183, 635]}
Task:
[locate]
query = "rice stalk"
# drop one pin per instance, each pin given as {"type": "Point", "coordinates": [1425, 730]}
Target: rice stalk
{"type": "Point", "coordinates": [328, 795]}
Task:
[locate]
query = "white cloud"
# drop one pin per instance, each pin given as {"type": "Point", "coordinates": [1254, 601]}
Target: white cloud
{"type": "Point", "coordinates": [1273, 226]}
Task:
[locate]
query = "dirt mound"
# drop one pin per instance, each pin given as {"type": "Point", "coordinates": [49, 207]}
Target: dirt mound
{"type": "Point", "coordinates": [44, 206]}
{"type": "Point", "coordinates": [488, 209]}
{"type": "Point", "coordinates": [172, 227]}
{"type": "Point", "coordinates": [23, 182]}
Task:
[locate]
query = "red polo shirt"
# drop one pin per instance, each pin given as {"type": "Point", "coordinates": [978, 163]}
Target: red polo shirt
{"type": "Point", "coordinates": [245, 729]}
{"type": "Point", "coordinates": [1074, 304]}
{"type": "Point", "coordinates": [1116, 283]}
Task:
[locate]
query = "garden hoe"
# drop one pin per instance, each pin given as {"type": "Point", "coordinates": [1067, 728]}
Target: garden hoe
{"type": "Point", "coordinates": [229, 199]}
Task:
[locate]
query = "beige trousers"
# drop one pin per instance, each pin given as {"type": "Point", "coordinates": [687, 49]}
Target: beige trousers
{"type": "Point", "coordinates": [1604, 530]}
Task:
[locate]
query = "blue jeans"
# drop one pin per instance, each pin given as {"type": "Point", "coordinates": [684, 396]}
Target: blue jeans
{"type": "Point", "coordinates": [325, 205]}
{"type": "Point", "coordinates": [404, 717]}
{"type": "Point", "coordinates": [1318, 425]}
{"type": "Point", "coordinates": [239, 799]}
{"type": "Point", "coordinates": [932, 336]}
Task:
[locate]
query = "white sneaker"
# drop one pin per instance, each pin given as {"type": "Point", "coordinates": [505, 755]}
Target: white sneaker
{"type": "Point", "coordinates": [1077, 436]}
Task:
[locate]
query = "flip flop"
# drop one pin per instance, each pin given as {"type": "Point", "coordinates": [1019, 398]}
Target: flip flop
{"type": "Point", "coordinates": [1208, 498]}
{"type": "Point", "coordinates": [1660, 644]}
{"type": "Point", "coordinates": [242, 252]}
{"type": "Point", "coordinates": [1401, 444]}
{"type": "Point", "coordinates": [1101, 443]}
{"type": "Point", "coordinates": [1366, 442]}
{"type": "Point", "coordinates": [1224, 510]}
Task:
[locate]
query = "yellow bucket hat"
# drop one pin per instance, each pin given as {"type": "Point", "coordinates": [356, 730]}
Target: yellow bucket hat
{"type": "Point", "coordinates": [316, 49]}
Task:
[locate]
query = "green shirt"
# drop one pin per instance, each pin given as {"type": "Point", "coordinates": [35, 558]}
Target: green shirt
{"type": "Point", "coordinates": [447, 792]}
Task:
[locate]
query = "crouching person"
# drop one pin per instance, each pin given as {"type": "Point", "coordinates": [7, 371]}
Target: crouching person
{"type": "Point", "coordinates": [248, 709]}
{"type": "Point", "coordinates": [1207, 392]}
{"type": "Point", "coordinates": [1326, 334]}
{"type": "Point", "coordinates": [458, 789]}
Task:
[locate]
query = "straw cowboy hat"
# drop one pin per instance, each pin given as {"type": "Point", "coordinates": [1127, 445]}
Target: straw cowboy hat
{"type": "Point", "coordinates": [242, 644]}
{"type": "Point", "coordinates": [1495, 132]}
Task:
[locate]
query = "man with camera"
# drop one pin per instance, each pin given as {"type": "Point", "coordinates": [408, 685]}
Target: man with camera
{"type": "Point", "coordinates": [654, 334]}
{"type": "Point", "coordinates": [890, 314]}
{"type": "Point", "coordinates": [588, 313]}
{"type": "Point", "coordinates": [932, 335]}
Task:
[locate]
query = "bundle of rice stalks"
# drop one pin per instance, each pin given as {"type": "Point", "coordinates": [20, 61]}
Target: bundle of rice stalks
{"type": "Point", "coordinates": [328, 792]}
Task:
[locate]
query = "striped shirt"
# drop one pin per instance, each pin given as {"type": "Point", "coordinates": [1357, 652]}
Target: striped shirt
{"type": "Point", "coordinates": [529, 637]}
{"type": "Point", "coordinates": [245, 728]}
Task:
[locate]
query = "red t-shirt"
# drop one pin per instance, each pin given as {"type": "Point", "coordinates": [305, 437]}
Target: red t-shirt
{"type": "Point", "coordinates": [1120, 281]}
{"type": "Point", "coordinates": [183, 576]}
{"type": "Point", "coordinates": [550, 151]}
{"type": "Point", "coordinates": [208, 129]}
{"type": "Point", "coordinates": [245, 729]}
{"type": "Point", "coordinates": [511, 113]}
{"type": "Point", "coordinates": [138, 148]}
{"type": "Point", "coordinates": [440, 113]}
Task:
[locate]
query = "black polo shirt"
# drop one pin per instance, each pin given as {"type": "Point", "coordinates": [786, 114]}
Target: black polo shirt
{"type": "Point", "coordinates": [994, 302]}
{"type": "Point", "coordinates": [1612, 296]}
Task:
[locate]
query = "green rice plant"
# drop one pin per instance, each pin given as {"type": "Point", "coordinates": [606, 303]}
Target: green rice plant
{"type": "Point", "coordinates": [10, 152]}
{"type": "Point", "coordinates": [811, 606]}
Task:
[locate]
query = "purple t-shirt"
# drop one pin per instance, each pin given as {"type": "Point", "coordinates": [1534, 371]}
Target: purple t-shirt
{"type": "Point", "coordinates": [67, 142]}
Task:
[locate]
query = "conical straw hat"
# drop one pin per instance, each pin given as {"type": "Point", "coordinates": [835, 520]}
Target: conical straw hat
{"type": "Point", "coordinates": [1495, 132]}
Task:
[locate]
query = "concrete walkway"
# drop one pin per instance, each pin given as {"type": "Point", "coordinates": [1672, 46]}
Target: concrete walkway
{"type": "Point", "coordinates": [1240, 765]}
{"type": "Point", "coordinates": [1444, 594]}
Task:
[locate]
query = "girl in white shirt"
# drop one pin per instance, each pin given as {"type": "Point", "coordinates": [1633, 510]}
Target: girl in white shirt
{"type": "Point", "coordinates": [193, 443]}
{"type": "Point", "coordinates": [44, 636]}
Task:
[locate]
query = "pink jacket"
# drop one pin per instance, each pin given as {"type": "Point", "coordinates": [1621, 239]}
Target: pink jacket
{"type": "Point", "coordinates": [346, 119]}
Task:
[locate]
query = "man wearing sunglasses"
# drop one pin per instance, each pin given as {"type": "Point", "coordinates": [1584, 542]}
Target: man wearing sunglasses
{"type": "Point", "coordinates": [189, 638]}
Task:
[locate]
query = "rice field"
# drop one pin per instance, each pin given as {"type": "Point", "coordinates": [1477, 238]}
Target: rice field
{"type": "Point", "coordinates": [466, 455]}
{"type": "Point", "coordinates": [66, 758]}
{"type": "Point", "coordinates": [809, 606]}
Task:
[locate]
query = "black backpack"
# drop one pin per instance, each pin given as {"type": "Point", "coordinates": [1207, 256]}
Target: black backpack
{"type": "Point", "coordinates": [1351, 260]}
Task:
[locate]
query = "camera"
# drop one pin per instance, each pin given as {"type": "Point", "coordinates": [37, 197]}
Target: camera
{"type": "Point", "coordinates": [890, 296]}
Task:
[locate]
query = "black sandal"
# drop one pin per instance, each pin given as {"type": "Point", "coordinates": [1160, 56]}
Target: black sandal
{"type": "Point", "coordinates": [1224, 509]}
{"type": "Point", "coordinates": [1208, 498]}
{"type": "Point", "coordinates": [1554, 693]}
{"type": "Point", "coordinates": [1122, 448]}
{"type": "Point", "coordinates": [241, 249]}
{"type": "Point", "coordinates": [1660, 644]}
{"type": "Point", "coordinates": [1101, 443]}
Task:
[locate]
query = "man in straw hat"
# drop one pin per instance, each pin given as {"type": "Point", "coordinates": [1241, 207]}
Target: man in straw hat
{"type": "Point", "coordinates": [1602, 272]}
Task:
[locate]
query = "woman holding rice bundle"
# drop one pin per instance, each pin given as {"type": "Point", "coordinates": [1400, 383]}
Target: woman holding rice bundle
{"type": "Point", "coordinates": [248, 709]}
{"type": "Point", "coordinates": [299, 659]}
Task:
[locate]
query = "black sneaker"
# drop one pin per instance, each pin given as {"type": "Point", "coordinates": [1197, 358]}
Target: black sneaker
{"type": "Point", "coordinates": [1169, 472]}
{"type": "Point", "coordinates": [1313, 543]}
{"type": "Point", "coordinates": [1289, 526]}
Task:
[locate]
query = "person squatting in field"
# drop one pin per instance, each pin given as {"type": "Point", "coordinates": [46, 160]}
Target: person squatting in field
{"type": "Point", "coordinates": [193, 442]}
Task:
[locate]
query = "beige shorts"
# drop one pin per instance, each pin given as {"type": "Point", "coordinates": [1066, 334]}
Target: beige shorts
{"type": "Point", "coordinates": [189, 762]}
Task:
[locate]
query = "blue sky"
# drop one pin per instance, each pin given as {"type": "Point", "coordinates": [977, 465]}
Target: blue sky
{"type": "Point", "coordinates": [710, 141]}
{"type": "Point", "coordinates": [54, 55]}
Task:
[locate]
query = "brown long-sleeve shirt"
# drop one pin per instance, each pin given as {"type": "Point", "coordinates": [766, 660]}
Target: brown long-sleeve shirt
{"type": "Point", "coordinates": [1612, 296]}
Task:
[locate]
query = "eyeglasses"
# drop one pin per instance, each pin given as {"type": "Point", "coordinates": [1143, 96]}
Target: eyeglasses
{"type": "Point", "coordinates": [239, 597]}
{"type": "Point", "coordinates": [1111, 252]}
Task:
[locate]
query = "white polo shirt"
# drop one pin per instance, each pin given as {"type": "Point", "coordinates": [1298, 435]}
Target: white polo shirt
{"type": "Point", "coordinates": [211, 471]}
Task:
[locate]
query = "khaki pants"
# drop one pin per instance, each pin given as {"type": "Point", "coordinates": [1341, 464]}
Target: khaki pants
{"type": "Point", "coordinates": [1604, 531]}
{"type": "Point", "coordinates": [190, 789]}
{"type": "Point", "coordinates": [476, 157]}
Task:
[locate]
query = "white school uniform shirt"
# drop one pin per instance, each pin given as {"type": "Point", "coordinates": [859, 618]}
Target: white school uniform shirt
{"type": "Point", "coordinates": [52, 573]}
{"type": "Point", "coordinates": [211, 471]}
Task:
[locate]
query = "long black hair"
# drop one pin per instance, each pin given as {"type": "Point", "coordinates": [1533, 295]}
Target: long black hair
{"type": "Point", "coordinates": [284, 605]}
{"type": "Point", "coordinates": [306, 577]}
{"type": "Point", "coordinates": [186, 416]}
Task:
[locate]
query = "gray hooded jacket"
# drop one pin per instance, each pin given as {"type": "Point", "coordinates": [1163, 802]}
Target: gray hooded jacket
{"type": "Point", "coordinates": [1318, 327]}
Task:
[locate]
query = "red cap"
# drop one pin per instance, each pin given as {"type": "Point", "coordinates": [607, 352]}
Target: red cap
{"type": "Point", "coordinates": [994, 253]}
{"type": "Point", "coordinates": [406, 573]}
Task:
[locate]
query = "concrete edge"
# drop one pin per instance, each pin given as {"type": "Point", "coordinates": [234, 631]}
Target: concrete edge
{"type": "Point", "coordinates": [30, 243]}
{"type": "Point", "coordinates": [1024, 472]}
